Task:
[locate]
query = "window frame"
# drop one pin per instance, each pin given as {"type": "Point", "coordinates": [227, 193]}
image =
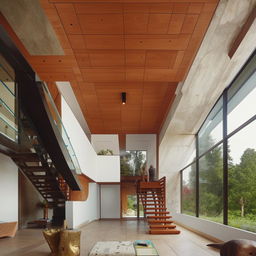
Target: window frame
{"type": "Point", "coordinates": [224, 141]}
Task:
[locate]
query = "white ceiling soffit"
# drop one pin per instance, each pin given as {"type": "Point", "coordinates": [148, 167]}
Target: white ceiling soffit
{"type": "Point", "coordinates": [67, 92]}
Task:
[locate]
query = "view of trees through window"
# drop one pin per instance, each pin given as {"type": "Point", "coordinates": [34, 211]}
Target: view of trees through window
{"type": "Point", "coordinates": [239, 164]}
{"type": "Point", "coordinates": [133, 163]}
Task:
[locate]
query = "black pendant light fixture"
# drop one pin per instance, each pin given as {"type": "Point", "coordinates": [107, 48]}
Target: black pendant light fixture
{"type": "Point", "coordinates": [123, 98]}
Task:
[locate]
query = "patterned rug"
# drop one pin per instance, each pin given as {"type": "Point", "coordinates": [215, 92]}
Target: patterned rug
{"type": "Point", "coordinates": [107, 248]}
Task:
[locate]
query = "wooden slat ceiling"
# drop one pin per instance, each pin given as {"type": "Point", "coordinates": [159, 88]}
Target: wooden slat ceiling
{"type": "Point", "coordinates": [143, 48]}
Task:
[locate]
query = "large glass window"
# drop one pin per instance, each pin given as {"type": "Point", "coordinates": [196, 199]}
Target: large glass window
{"type": "Point", "coordinates": [211, 185]}
{"type": "Point", "coordinates": [226, 157]}
{"type": "Point", "coordinates": [241, 97]}
{"type": "Point", "coordinates": [189, 190]}
{"type": "Point", "coordinates": [211, 131]}
{"type": "Point", "coordinates": [241, 179]}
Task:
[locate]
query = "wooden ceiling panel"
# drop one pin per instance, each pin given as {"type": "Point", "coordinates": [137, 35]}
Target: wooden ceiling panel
{"type": "Point", "coordinates": [161, 8]}
{"type": "Point", "coordinates": [180, 7]}
{"type": "Point", "coordinates": [69, 19]}
{"type": "Point", "coordinates": [160, 59]}
{"type": "Point", "coordinates": [176, 23]}
{"type": "Point", "coordinates": [136, 23]}
{"type": "Point", "coordinates": [135, 58]}
{"type": "Point", "coordinates": [189, 24]}
{"type": "Point", "coordinates": [143, 48]}
{"type": "Point", "coordinates": [136, 8]}
{"type": "Point", "coordinates": [134, 75]}
{"type": "Point", "coordinates": [195, 8]}
{"type": "Point", "coordinates": [103, 75]}
{"type": "Point", "coordinates": [89, 8]}
{"type": "Point", "coordinates": [133, 99]}
{"type": "Point", "coordinates": [171, 42]}
{"type": "Point", "coordinates": [77, 41]}
{"type": "Point", "coordinates": [158, 23]}
{"type": "Point", "coordinates": [98, 24]}
{"type": "Point", "coordinates": [107, 58]}
{"type": "Point", "coordinates": [110, 42]}
{"type": "Point", "coordinates": [83, 60]}
{"type": "Point", "coordinates": [160, 75]}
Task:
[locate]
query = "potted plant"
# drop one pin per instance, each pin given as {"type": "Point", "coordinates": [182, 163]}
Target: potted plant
{"type": "Point", "coordinates": [106, 152]}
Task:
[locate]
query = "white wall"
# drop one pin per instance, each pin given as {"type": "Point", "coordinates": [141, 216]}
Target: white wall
{"type": "Point", "coordinates": [213, 229]}
{"type": "Point", "coordinates": [82, 212]}
{"type": "Point", "coordinates": [108, 168]}
{"type": "Point", "coordinates": [110, 201]}
{"type": "Point", "coordinates": [105, 141]}
{"type": "Point", "coordinates": [83, 149]}
{"type": "Point", "coordinates": [67, 92]}
{"type": "Point", "coordinates": [143, 142]}
{"type": "Point", "coordinates": [8, 189]}
{"type": "Point", "coordinates": [98, 168]}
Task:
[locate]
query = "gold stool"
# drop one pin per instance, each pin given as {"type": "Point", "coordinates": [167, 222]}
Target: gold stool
{"type": "Point", "coordinates": [63, 242]}
{"type": "Point", "coordinates": [52, 237]}
{"type": "Point", "coordinates": [69, 243]}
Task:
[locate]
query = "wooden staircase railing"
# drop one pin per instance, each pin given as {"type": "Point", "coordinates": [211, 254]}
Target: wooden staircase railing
{"type": "Point", "coordinates": [153, 198]}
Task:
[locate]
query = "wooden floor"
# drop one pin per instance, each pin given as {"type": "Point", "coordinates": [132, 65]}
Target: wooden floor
{"type": "Point", "coordinates": [30, 242]}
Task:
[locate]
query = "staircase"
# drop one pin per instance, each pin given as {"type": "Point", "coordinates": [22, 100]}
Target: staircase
{"type": "Point", "coordinates": [40, 171]}
{"type": "Point", "coordinates": [152, 196]}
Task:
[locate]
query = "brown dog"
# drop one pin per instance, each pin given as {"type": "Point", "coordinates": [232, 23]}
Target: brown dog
{"type": "Point", "coordinates": [236, 248]}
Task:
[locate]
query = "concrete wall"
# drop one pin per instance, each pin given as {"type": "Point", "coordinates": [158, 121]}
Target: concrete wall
{"type": "Point", "coordinates": [105, 141]}
{"type": "Point", "coordinates": [79, 213]}
{"type": "Point", "coordinates": [110, 201]}
{"type": "Point", "coordinates": [211, 72]}
{"type": "Point", "coordinates": [145, 142]}
{"type": "Point", "coordinates": [8, 189]}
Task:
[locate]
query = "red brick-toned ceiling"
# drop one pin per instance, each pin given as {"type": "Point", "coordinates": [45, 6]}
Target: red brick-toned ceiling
{"type": "Point", "coordinates": [143, 48]}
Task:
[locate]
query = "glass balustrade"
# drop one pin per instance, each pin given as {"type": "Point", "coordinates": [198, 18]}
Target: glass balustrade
{"type": "Point", "coordinates": [8, 125]}
{"type": "Point", "coordinates": [57, 120]}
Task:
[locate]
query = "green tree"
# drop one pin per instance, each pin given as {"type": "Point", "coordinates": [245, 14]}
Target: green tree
{"type": "Point", "coordinates": [132, 163]}
{"type": "Point", "coordinates": [242, 189]}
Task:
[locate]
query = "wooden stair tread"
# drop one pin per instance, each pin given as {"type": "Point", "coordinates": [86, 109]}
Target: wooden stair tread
{"type": "Point", "coordinates": [154, 208]}
{"type": "Point", "coordinates": [150, 212]}
{"type": "Point", "coordinates": [159, 217]}
{"type": "Point", "coordinates": [159, 226]}
{"type": "Point", "coordinates": [164, 231]}
{"type": "Point", "coordinates": [29, 156]}
{"type": "Point", "coordinates": [31, 168]}
{"type": "Point", "coordinates": [154, 203]}
{"type": "Point", "coordinates": [160, 221]}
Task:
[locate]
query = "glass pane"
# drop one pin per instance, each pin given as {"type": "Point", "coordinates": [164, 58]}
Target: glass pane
{"type": "Point", "coordinates": [58, 122]}
{"type": "Point", "coordinates": [8, 125]}
{"type": "Point", "coordinates": [242, 177]}
{"type": "Point", "coordinates": [211, 185]}
{"type": "Point", "coordinates": [241, 97]}
{"type": "Point", "coordinates": [133, 163]}
{"type": "Point", "coordinates": [131, 206]}
{"type": "Point", "coordinates": [189, 190]}
{"type": "Point", "coordinates": [211, 131]}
